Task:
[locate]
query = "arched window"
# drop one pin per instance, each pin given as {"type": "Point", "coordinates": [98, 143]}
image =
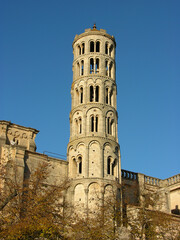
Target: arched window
{"type": "Point", "coordinates": [114, 168]}
{"type": "Point", "coordinates": [78, 69]}
{"type": "Point", "coordinates": [110, 50]}
{"type": "Point", "coordinates": [109, 165]}
{"type": "Point", "coordinates": [80, 125]}
{"type": "Point", "coordinates": [98, 46]}
{"type": "Point", "coordinates": [82, 67]}
{"type": "Point", "coordinates": [97, 94]}
{"type": "Point", "coordinates": [79, 50]}
{"type": "Point", "coordinates": [108, 125]}
{"type": "Point", "coordinates": [91, 46]}
{"type": "Point", "coordinates": [91, 94]}
{"type": "Point", "coordinates": [111, 126]}
{"type": "Point", "coordinates": [74, 165]}
{"type": "Point", "coordinates": [106, 95]}
{"type": "Point", "coordinates": [111, 97]}
{"type": "Point", "coordinates": [106, 48]}
{"type": "Point", "coordinates": [94, 123]}
{"type": "Point", "coordinates": [80, 165]}
{"type": "Point", "coordinates": [76, 121]}
{"type": "Point", "coordinates": [106, 66]}
{"type": "Point", "coordinates": [77, 96]}
{"type": "Point", "coordinates": [97, 66]}
{"type": "Point", "coordinates": [83, 48]}
{"type": "Point", "coordinates": [81, 95]}
{"type": "Point", "coordinates": [91, 65]}
{"type": "Point", "coordinates": [96, 126]}
{"type": "Point", "coordinates": [110, 69]}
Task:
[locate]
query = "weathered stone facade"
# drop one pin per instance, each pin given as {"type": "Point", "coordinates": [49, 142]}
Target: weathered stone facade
{"type": "Point", "coordinates": [93, 151]}
{"type": "Point", "coordinates": [93, 154]}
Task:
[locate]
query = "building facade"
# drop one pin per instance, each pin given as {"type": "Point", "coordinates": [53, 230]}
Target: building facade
{"type": "Point", "coordinates": [93, 162]}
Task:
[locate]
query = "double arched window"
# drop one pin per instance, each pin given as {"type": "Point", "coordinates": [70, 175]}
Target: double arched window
{"type": "Point", "coordinates": [109, 49]}
{"type": "Point", "coordinates": [110, 124]}
{"type": "Point", "coordinates": [94, 94]}
{"type": "Point", "coordinates": [111, 166]}
{"type": "Point", "coordinates": [77, 162]}
{"type": "Point", "coordinates": [94, 65]}
{"type": "Point", "coordinates": [81, 49]}
{"type": "Point", "coordinates": [94, 123]}
{"type": "Point", "coordinates": [94, 46]}
{"type": "Point", "coordinates": [78, 125]}
{"type": "Point", "coordinates": [78, 95]}
{"type": "Point", "coordinates": [109, 96]}
{"type": "Point", "coordinates": [80, 68]}
{"type": "Point", "coordinates": [109, 68]}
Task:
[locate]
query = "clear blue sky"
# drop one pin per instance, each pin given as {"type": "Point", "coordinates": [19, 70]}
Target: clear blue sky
{"type": "Point", "coordinates": [36, 73]}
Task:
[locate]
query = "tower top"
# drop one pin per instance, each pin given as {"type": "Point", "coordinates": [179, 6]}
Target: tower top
{"type": "Point", "coordinates": [94, 31]}
{"type": "Point", "coordinates": [94, 26]}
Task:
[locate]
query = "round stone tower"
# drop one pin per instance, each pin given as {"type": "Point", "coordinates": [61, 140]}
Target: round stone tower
{"type": "Point", "coordinates": [93, 151]}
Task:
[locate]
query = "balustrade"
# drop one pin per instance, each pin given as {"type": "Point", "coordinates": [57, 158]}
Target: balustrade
{"type": "Point", "coordinates": [129, 175]}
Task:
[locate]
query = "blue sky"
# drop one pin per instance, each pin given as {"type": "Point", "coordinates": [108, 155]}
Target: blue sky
{"type": "Point", "coordinates": [36, 73]}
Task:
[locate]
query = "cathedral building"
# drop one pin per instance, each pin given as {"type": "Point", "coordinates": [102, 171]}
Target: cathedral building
{"type": "Point", "coordinates": [93, 162]}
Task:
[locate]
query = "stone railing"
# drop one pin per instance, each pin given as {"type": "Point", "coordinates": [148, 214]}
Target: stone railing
{"type": "Point", "coordinates": [173, 180]}
{"type": "Point", "coordinates": [129, 175]}
{"type": "Point", "coordinates": [152, 181]}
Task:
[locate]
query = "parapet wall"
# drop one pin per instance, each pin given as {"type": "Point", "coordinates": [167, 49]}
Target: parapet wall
{"type": "Point", "coordinates": [136, 184]}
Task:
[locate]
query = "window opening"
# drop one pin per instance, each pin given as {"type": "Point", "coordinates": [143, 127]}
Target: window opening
{"type": "Point", "coordinates": [83, 48]}
{"type": "Point", "coordinates": [98, 46]}
{"type": "Point", "coordinates": [111, 127]}
{"type": "Point", "coordinates": [106, 66]}
{"type": "Point", "coordinates": [76, 126]}
{"type": "Point", "coordinates": [110, 50]}
{"type": "Point", "coordinates": [81, 96]}
{"type": "Point", "coordinates": [97, 65]}
{"type": "Point", "coordinates": [96, 124]}
{"type": "Point", "coordinates": [77, 96]}
{"type": "Point", "coordinates": [106, 48]}
{"type": "Point", "coordinates": [78, 69]}
{"type": "Point", "coordinates": [110, 97]}
{"type": "Point", "coordinates": [79, 49]}
{"type": "Point", "coordinates": [80, 126]}
{"type": "Point", "coordinates": [91, 94]}
{"type": "Point", "coordinates": [107, 95]}
{"type": "Point", "coordinates": [108, 125]}
{"type": "Point", "coordinates": [113, 167]}
{"type": "Point", "coordinates": [97, 94]}
{"type": "Point", "coordinates": [92, 124]}
{"type": "Point", "coordinates": [109, 166]}
{"type": "Point", "coordinates": [80, 165]}
{"type": "Point", "coordinates": [91, 65]}
{"type": "Point", "coordinates": [110, 69]}
{"type": "Point", "coordinates": [91, 46]}
{"type": "Point", "coordinates": [82, 67]}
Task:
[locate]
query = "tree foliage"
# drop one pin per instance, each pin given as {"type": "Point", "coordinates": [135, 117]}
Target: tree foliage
{"type": "Point", "coordinates": [36, 210]}
{"type": "Point", "coordinates": [33, 209]}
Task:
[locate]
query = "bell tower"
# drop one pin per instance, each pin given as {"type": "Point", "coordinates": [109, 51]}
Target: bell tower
{"type": "Point", "coordinates": [93, 151]}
